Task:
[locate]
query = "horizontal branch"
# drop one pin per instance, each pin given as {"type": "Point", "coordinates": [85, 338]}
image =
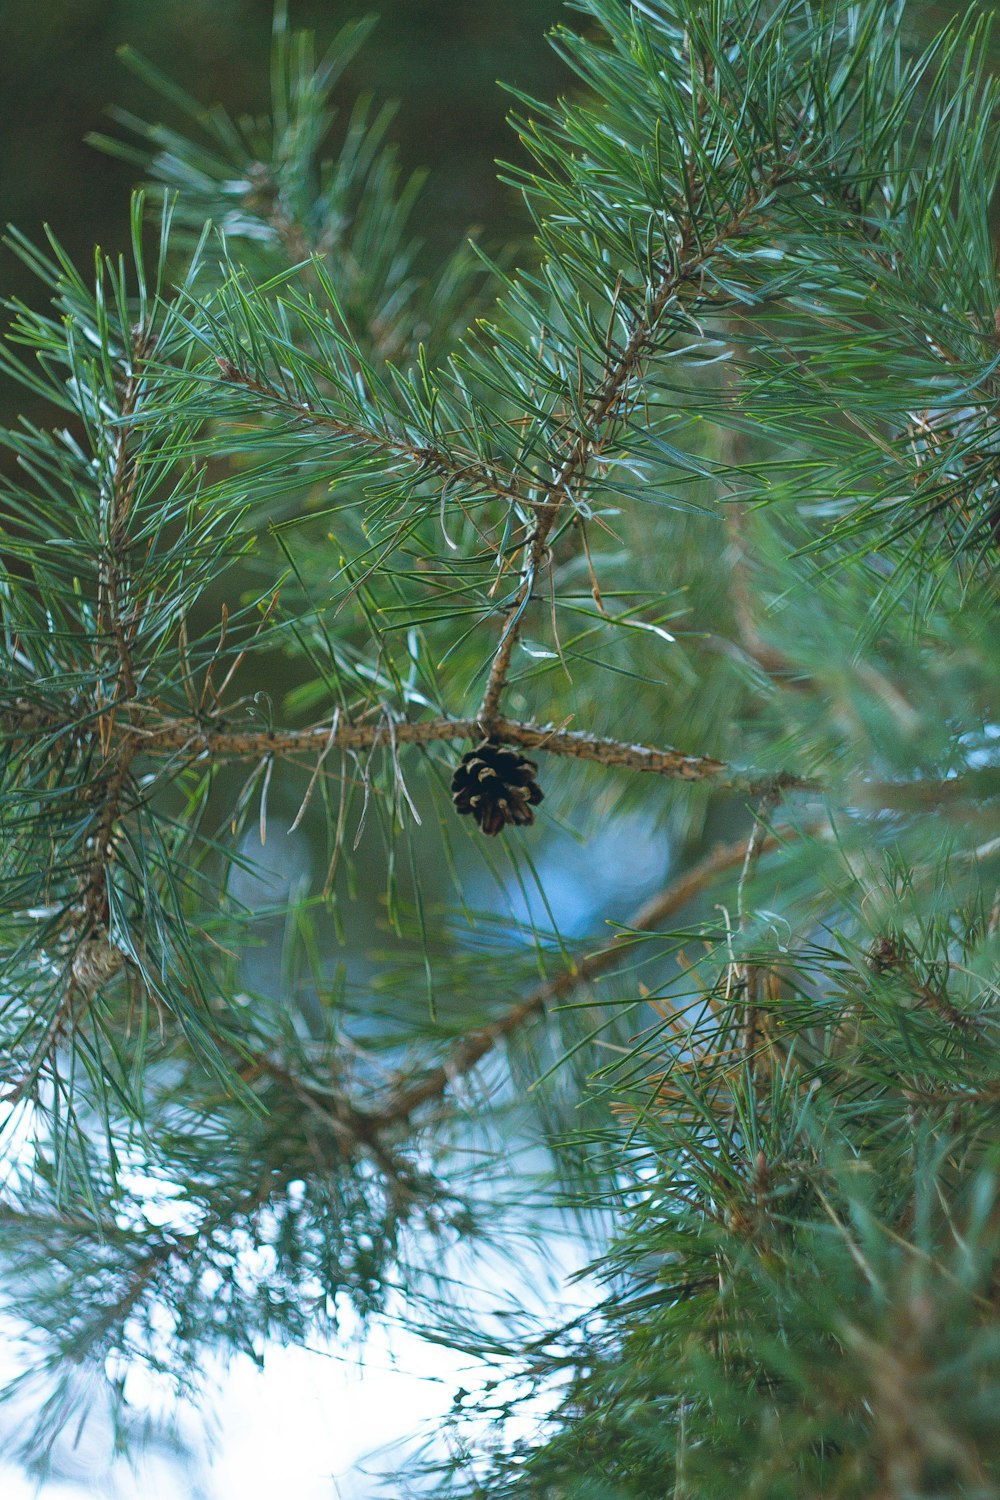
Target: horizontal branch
{"type": "Point", "coordinates": [660, 761]}
{"type": "Point", "coordinates": [21, 719]}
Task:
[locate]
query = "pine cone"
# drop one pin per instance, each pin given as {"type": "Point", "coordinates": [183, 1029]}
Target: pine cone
{"type": "Point", "coordinates": [497, 786]}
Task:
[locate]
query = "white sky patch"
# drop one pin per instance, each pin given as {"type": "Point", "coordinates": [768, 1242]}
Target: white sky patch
{"type": "Point", "coordinates": [302, 1427]}
{"type": "Point", "coordinates": [316, 1424]}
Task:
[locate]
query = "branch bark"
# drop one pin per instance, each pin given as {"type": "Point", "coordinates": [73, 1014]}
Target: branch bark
{"type": "Point", "coordinates": [596, 425]}
{"type": "Point", "coordinates": [234, 744]}
{"type": "Point", "coordinates": [151, 735]}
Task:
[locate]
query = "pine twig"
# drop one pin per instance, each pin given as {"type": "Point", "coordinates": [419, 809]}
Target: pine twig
{"type": "Point", "coordinates": [752, 975]}
{"type": "Point", "coordinates": [597, 421]}
{"type": "Point", "coordinates": [471, 1050]}
{"type": "Point", "coordinates": [428, 458]}
{"type": "Point", "coordinates": [195, 741]}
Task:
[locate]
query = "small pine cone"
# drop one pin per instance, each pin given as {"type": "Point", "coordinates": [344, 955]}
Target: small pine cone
{"type": "Point", "coordinates": [497, 786]}
{"type": "Point", "coordinates": [884, 955]}
{"type": "Point", "coordinates": [96, 962]}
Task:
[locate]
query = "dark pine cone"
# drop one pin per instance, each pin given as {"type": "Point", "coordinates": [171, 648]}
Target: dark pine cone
{"type": "Point", "coordinates": [496, 786]}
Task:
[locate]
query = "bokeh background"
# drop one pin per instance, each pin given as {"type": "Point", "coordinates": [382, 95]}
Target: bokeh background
{"type": "Point", "coordinates": [441, 59]}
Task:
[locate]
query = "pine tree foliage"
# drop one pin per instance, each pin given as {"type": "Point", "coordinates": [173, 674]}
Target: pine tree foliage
{"type": "Point", "coordinates": [697, 511]}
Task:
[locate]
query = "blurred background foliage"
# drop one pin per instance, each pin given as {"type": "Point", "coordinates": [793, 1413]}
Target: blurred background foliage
{"type": "Point", "coordinates": [441, 59]}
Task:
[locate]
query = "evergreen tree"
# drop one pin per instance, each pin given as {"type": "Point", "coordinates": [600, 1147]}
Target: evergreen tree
{"type": "Point", "coordinates": [317, 540]}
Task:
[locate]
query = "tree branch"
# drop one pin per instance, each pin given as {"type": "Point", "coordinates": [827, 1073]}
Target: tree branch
{"type": "Point", "coordinates": [427, 458]}
{"type": "Point", "coordinates": [232, 744]}
{"type": "Point", "coordinates": [752, 975]}
{"type": "Point", "coordinates": [596, 426]}
{"type": "Point", "coordinates": [194, 739]}
{"type": "Point", "coordinates": [471, 1050]}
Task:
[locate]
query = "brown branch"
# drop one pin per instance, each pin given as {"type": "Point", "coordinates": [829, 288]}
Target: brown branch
{"type": "Point", "coordinates": [658, 760]}
{"type": "Point", "coordinates": [891, 954]}
{"type": "Point", "coordinates": [23, 719]}
{"type": "Point", "coordinates": [752, 975]}
{"type": "Point", "coordinates": [353, 1129]}
{"type": "Point", "coordinates": [162, 1255]}
{"type": "Point", "coordinates": [470, 1051]}
{"type": "Point", "coordinates": [595, 429]}
{"type": "Point", "coordinates": [120, 500]}
{"type": "Point", "coordinates": [149, 736]}
{"type": "Point", "coordinates": [95, 960]}
{"type": "Point", "coordinates": [120, 628]}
